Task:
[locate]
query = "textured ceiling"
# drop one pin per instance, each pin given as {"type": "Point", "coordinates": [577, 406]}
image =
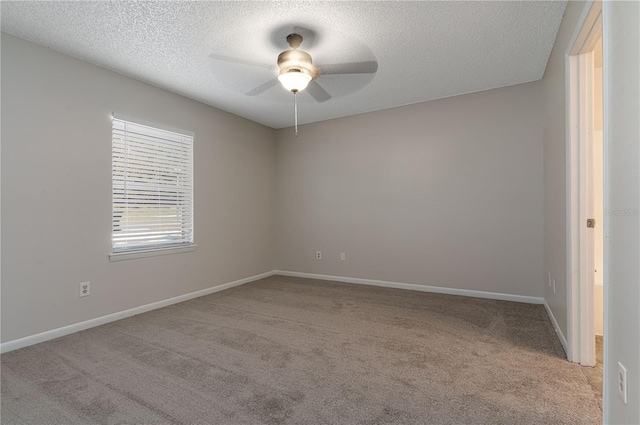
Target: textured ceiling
{"type": "Point", "coordinates": [217, 52]}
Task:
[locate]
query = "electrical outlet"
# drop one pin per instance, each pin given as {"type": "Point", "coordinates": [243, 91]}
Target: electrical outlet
{"type": "Point", "coordinates": [85, 289]}
{"type": "Point", "coordinates": [343, 256]}
{"type": "Point", "coordinates": [318, 255]}
{"type": "Point", "coordinates": [622, 382]}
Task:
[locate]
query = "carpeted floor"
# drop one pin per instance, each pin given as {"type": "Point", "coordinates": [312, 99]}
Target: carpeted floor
{"type": "Point", "coordinates": [594, 374]}
{"type": "Point", "coordinates": [286, 350]}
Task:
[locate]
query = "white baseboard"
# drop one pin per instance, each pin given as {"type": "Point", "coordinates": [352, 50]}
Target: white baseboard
{"type": "Point", "coordinates": [422, 288]}
{"type": "Point", "coordinates": [561, 336]}
{"type": "Point", "coordinates": [76, 327]}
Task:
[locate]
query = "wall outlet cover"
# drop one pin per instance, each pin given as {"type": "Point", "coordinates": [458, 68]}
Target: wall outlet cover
{"type": "Point", "coordinates": [622, 382]}
{"type": "Point", "coordinates": [85, 289]}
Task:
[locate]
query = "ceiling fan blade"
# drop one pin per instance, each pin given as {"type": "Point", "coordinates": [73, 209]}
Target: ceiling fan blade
{"type": "Point", "coordinates": [262, 87]}
{"type": "Point", "coordinates": [317, 92]}
{"type": "Point", "coordinates": [368, 67]}
{"type": "Point", "coordinates": [240, 61]}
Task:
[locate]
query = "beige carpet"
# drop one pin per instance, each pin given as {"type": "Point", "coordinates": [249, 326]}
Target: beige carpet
{"type": "Point", "coordinates": [594, 374]}
{"type": "Point", "coordinates": [298, 351]}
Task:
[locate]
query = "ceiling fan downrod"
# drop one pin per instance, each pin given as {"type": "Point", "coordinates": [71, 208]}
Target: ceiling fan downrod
{"type": "Point", "coordinates": [295, 110]}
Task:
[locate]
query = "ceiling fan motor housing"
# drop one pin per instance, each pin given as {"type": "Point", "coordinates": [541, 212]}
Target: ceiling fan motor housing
{"type": "Point", "coordinates": [297, 61]}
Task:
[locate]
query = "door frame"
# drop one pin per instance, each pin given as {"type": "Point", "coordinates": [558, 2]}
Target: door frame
{"type": "Point", "coordinates": [579, 75]}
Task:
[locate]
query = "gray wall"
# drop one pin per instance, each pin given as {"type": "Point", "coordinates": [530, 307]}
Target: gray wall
{"type": "Point", "coordinates": [444, 193]}
{"type": "Point", "coordinates": [56, 193]}
{"type": "Point", "coordinates": [621, 41]}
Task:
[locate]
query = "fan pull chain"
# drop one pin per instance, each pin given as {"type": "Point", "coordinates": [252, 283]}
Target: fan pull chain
{"type": "Point", "coordinates": [295, 110]}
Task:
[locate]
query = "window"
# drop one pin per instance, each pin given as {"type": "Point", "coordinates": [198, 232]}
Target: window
{"type": "Point", "coordinates": [152, 196]}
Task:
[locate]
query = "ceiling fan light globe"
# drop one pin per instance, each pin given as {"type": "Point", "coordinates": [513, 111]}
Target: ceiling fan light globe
{"type": "Point", "coordinates": [294, 80]}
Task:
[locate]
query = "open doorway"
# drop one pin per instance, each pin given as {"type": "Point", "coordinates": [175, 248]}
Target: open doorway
{"type": "Point", "coordinates": [585, 203]}
{"type": "Point", "coordinates": [595, 374]}
{"type": "Point", "coordinates": [598, 199]}
{"type": "Point", "coordinates": [586, 146]}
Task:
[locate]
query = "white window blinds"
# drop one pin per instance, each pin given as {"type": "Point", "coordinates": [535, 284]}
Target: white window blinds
{"type": "Point", "coordinates": [152, 173]}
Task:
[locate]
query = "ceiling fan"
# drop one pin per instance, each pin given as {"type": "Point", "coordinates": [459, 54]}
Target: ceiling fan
{"type": "Point", "coordinates": [296, 67]}
{"type": "Point", "coordinates": [297, 72]}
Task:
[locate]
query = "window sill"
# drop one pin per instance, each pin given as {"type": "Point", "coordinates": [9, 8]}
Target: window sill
{"type": "Point", "coordinates": [153, 252]}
